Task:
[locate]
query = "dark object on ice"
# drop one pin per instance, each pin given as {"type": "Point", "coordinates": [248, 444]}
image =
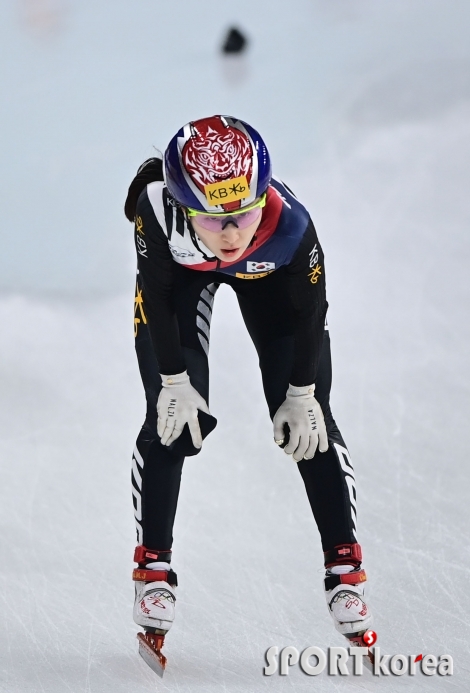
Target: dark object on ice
{"type": "Point", "coordinates": [235, 41]}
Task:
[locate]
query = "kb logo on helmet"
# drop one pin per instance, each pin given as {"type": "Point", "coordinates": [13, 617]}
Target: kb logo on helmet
{"type": "Point", "coordinates": [227, 191]}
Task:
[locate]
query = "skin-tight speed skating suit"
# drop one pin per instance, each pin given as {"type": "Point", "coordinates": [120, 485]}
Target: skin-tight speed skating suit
{"type": "Point", "coordinates": [280, 285]}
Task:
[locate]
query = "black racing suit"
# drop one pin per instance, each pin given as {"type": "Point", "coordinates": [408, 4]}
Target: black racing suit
{"type": "Point", "coordinates": [280, 287]}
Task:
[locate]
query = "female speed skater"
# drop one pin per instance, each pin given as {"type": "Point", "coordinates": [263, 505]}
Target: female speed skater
{"type": "Point", "coordinates": [209, 213]}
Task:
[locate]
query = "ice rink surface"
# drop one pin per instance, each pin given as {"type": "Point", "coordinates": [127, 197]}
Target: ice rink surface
{"type": "Point", "coordinates": [366, 111]}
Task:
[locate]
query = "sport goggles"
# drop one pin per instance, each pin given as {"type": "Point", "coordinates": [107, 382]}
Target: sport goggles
{"type": "Point", "coordinates": [241, 218]}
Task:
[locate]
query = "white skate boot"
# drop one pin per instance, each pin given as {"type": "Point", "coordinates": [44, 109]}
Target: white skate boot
{"type": "Point", "coordinates": [344, 591]}
{"type": "Point", "coordinates": [154, 606]}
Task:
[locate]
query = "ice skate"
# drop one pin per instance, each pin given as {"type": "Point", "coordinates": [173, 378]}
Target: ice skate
{"type": "Point", "coordinates": [344, 586]}
{"type": "Point", "coordinates": [154, 610]}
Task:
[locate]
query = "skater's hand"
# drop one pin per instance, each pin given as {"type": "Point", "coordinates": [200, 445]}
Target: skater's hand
{"type": "Point", "coordinates": [177, 405]}
{"type": "Point", "coordinates": [304, 417]}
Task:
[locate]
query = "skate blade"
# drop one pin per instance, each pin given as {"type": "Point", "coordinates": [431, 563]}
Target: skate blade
{"type": "Point", "coordinates": [357, 641]}
{"type": "Point", "coordinates": [369, 661]}
{"type": "Point", "coordinates": [152, 657]}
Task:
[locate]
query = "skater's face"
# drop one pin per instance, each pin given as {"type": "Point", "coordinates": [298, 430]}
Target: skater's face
{"type": "Point", "coordinates": [230, 243]}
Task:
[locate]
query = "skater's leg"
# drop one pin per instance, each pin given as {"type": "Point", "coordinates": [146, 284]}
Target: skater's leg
{"type": "Point", "coordinates": [335, 513]}
{"type": "Point", "coordinates": [329, 476]}
{"type": "Point", "coordinates": [156, 472]}
{"type": "Point", "coordinates": [157, 469]}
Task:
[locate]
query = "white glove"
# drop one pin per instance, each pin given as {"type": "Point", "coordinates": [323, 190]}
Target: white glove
{"type": "Point", "coordinates": [303, 414]}
{"type": "Point", "coordinates": [177, 405]}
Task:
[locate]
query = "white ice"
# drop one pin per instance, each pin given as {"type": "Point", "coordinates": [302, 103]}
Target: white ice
{"type": "Point", "coordinates": [366, 109]}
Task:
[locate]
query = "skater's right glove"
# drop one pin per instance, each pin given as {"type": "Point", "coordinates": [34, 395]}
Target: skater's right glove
{"type": "Point", "coordinates": [177, 405]}
{"type": "Point", "coordinates": [307, 430]}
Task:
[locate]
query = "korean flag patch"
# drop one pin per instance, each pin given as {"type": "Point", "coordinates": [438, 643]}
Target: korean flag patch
{"type": "Point", "coordinates": [260, 266]}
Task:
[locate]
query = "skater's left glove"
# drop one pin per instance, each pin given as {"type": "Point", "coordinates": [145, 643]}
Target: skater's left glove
{"type": "Point", "coordinates": [304, 417]}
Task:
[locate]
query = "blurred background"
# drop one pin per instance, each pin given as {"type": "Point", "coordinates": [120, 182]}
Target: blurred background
{"type": "Point", "coordinates": [365, 108]}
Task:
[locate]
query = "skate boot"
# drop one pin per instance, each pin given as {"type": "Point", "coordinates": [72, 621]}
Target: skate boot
{"type": "Point", "coordinates": [154, 606]}
{"type": "Point", "coordinates": [345, 582]}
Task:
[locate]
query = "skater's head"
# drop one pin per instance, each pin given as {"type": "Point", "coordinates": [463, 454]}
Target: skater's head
{"type": "Point", "coordinates": [218, 169]}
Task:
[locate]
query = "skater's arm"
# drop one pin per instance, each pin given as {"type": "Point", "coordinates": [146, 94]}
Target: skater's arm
{"type": "Point", "coordinates": [306, 286]}
{"type": "Point", "coordinates": [156, 267]}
